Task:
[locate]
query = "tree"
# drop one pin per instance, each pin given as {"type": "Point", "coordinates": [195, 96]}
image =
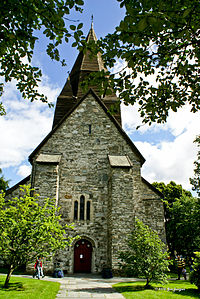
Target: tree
{"type": "Point", "coordinates": [29, 227]}
{"type": "Point", "coordinates": [145, 255]}
{"type": "Point", "coordinates": [20, 22]}
{"type": "Point", "coordinates": [158, 38]}
{"type": "Point", "coordinates": [171, 193]}
{"type": "Point", "coordinates": [184, 225]}
{"type": "Point", "coordinates": [195, 275]}
{"type": "Point", "coordinates": [195, 181]}
{"type": "Point", "coordinates": [3, 182]}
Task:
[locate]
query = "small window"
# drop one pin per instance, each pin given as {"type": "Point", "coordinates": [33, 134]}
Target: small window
{"type": "Point", "coordinates": [88, 210]}
{"type": "Point", "coordinates": [76, 210]}
{"type": "Point", "coordinates": [90, 129]}
{"type": "Point", "coordinates": [82, 207]}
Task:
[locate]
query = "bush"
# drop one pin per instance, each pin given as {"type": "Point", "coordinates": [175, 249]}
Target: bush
{"type": "Point", "coordinates": [145, 255]}
{"type": "Point", "coordinates": [195, 275]}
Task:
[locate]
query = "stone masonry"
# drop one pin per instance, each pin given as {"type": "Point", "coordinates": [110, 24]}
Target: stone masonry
{"type": "Point", "coordinates": [117, 194]}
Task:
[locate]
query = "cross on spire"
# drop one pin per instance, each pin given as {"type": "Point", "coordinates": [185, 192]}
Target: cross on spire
{"type": "Point", "coordinates": [92, 19]}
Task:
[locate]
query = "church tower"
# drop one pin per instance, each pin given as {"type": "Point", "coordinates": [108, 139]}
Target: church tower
{"type": "Point", "coordinates": [72, 92]}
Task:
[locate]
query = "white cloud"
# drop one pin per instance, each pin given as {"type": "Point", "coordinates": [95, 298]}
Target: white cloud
{"type": "Point", "coordinates": [168, 159]}
{"type": "Point", "coordinates": [24, 170]}
{"type": "Point", "coordinates": [25, 124]}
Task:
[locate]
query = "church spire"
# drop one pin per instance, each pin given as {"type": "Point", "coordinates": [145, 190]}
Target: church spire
{"type": "Point", "coordinates": [91, 34]}
{"type": "Point", "coordinates": [72, 91]}
{"type": "Point", "coordinates": [92, 19]}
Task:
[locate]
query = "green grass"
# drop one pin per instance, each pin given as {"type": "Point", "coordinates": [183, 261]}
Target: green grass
{"type": "Point", "coordinates": [27, 288]}
{"type": "Point", "coordinates": [174, 289]}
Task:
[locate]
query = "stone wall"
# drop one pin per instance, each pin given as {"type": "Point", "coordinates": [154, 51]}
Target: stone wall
{"type": "Point", "coordinates": [84, 170]}
{"type": "Point", "coordinates": [150, 210]}
{"type": "Point", "coordinates": [116, 194]}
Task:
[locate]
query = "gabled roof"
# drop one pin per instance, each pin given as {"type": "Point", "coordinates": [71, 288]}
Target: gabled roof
{"type": "Point", "coordinates": [154, 189]}
{"type": "Point", "coordinates": [22, 182]}
{"type": "Point", "coordinates": [72, 91]}
{"type": "Point", "coordinates": [122, 132]}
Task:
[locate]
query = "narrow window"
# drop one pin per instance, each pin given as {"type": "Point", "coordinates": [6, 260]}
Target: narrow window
{"type": "Point", "coordinates": [88, 210]}
{"type": "Point", "coordinates": [90, 129]}
{"type": "Point", "coordinates": [76, 210]}
{"type": "Point", "coordinates": [82, 207]}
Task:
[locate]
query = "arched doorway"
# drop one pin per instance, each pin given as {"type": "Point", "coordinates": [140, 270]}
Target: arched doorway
{"type": "Point", "coordinates": [82, 256]}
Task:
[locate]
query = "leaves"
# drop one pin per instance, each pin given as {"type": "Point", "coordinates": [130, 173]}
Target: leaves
{"type": "Point", "coordinates": [72, 27]}
{"type": "Point", "coordinates": [3, 182]}
{"type": "Point", "coordinates": [159, 38]}
{"type": "Point", "coordinates": [195, 274]}
{"type": "Point", "coordinates": [19, 23]}
{"type": "Point", "coordinates": [145, 256]}
{"type": "Point", "coordinates": [182, 218]}
{"type": "Point", "coordinates": [29, 227]}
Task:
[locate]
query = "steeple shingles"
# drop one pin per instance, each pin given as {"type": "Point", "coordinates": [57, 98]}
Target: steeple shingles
{"type": "Point", "coordinates": [72, 91]}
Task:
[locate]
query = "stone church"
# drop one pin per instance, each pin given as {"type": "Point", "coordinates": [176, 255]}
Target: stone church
{"type": "Point", "coordinates": [93, 170]}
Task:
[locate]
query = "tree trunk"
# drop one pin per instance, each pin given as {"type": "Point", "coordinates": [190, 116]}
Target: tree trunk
{"type": "Point", "coordinates": [147, 284]}
{"type": "Point", "coordinates": [10, 271]}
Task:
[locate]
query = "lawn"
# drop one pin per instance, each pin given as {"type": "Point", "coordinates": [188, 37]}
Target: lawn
{"type": "Point", "coordinates": [174, 289]}
{"type": "Point", "coordinates": [27, 288]}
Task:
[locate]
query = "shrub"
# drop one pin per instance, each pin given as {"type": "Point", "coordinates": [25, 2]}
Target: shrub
{"type": "Point", "coordinates": [146, 255]}
{"type": "Point", "coordinates": [195, 275]}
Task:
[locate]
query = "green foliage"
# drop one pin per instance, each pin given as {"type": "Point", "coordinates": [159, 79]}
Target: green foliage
{"type": "Point", "coordinates": [171, 191]}
{"type": "Point", "coordinates": [3, 182]}
{"type": "Point", "coordinates": [179, 206]}
{"type": "Point", "coordinates": [195, 275]}
{"type": "Point", "coordinates": [195, 181]}
{"type": "Point", "coordinates": [184, 225]}
{"type": "Point", "coordinates": [145, 255]}
{"type": "Point", "coordinates": [30, 227]}
{"type": "Point", "coordinates": [20, 22]}
{"type": "Point", "coordinates": [158, 38]}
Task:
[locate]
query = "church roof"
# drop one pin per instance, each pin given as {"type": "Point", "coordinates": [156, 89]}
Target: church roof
{"type": "Point", "coordinates": [85, 64]}
{"type": "Point", "coordinates": [129, 141]}
{"type": "Point", "coordinates": [154, 189]}
{"type": "Point", "coordinates": [16, 186]}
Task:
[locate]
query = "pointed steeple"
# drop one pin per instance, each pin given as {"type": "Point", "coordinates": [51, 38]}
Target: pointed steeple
{"type": "Point", "coordinates": [72, 91]}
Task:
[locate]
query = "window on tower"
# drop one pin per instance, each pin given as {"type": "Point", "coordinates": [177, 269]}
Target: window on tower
{"type": "Point", "coordinates": [90, 129]}
{"type": "Point", "coordinates": [76, 210]}
{"type": "Point", "coordinates": [82, 209]}
{"type": "Point", "coordinates": [88, 210]}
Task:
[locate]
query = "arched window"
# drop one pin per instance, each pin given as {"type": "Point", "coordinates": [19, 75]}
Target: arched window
{"type": "Point", "coordinates": [76, 210]}
{"type": "Point", "coordinates": [88, 210]}
{"type": "Point", "coordinates": [82, 207]}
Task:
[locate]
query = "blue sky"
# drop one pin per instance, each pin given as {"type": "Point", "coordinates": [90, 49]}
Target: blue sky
{"type": "Point", "coordinates": [168, 149]}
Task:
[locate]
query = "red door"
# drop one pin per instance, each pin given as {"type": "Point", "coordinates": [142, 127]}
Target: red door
{"type": "Point", "coordinates": [82, 256]}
